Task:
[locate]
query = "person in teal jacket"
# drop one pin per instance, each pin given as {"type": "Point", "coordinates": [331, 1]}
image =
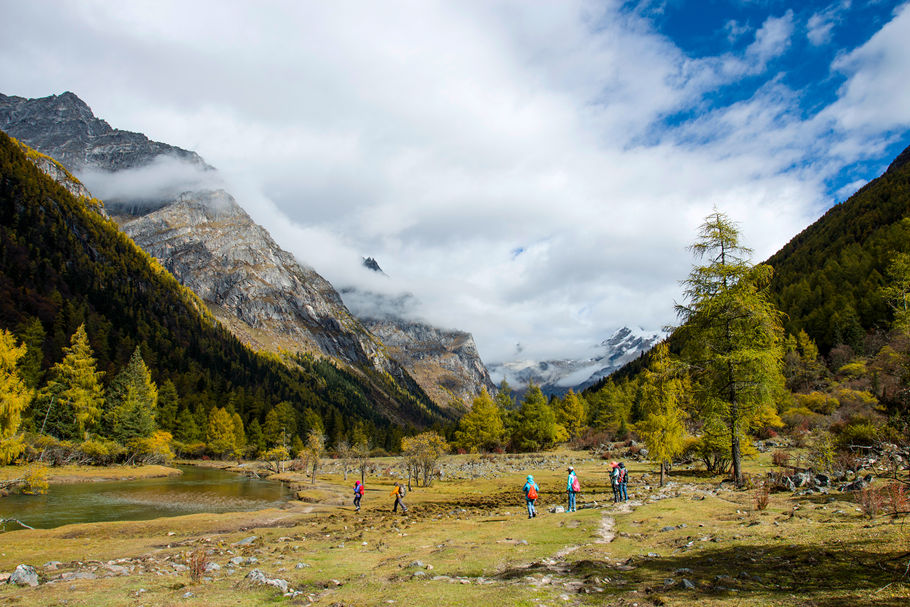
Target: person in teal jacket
{"type": "Point", "coordinates": [531, 491]}
{"type": "Point", "coordinates": [571, 489]}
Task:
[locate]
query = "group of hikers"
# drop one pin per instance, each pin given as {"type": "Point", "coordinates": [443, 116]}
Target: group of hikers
{"type": "Point", "coordinates": [619, 478]}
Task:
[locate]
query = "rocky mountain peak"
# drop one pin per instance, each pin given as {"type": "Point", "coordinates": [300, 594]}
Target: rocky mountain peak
{"type": "Point", "coordinates": [64, 127]}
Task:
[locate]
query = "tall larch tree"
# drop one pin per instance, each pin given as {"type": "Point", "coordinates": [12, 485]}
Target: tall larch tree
{"type": "Point", "coordinates": [74, 396]}
{"type": "Point", "coordinates": [663, 392]}
{"type": "Point", "coordinates": [572, 413]}
{"type": "Point", "coordinates": [732, 333]}
{"type": "Point", "coordinates": [15, 396]}
{"type": "Point", "coordinates": [481, 428]}
{"type": "Point", "coordinates": [220, 434]}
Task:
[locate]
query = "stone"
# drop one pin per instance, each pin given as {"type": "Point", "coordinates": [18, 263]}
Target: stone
{"type": "Point", "coordinates": [258, 578]}
{"type": "Point", "coordinates": [52, 565]}
{"type": "Point", "coordinates": [687, 585]}
{"type": "Point", "coordinates": [300, 565]}
{"type": "Point", "coordinates": [557, 509]}
{"type": "Point", "coordinates": [246, 541]}
{"type": "Point", "coordinates": [212, 566]}
{"type": "Point", "coordinates": [24, 575]}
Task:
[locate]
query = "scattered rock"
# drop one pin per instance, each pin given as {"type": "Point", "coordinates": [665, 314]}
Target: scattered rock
{"type": "Point", "coordinates": [258, 578]}
{"type": "Point", "coordinates": [24, 575]}
{"type": "Point", "coordinates": [687, 585]}
{"type": "Point", "coordinates": [247, 541]}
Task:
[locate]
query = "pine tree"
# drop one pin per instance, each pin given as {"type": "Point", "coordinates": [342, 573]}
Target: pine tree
{"type": "Point", "coordinates": [14, 397]}
{"type": "Point", "coordinates": [256, 439]}
{"type": "Point", "coordinates": [73, 395]}
{"type": "Point", "coordinates": [663, 392]}
{"type": "Point", "coordinates": [897, 291]}
{"type": "Point", "coordinates": [186, 430]}
{"type": "Point", "coordinates": [535, 425]}
{"type": "Point", "coordinates": [572, 413]}
{"type": "Point", "coordinates": [271, 429]}
{"type": "Point", "coordinates": [168, 405]}
{"type": "Point", "coordinates": [239, 434]}
{"type": "Point", "coordinates": [31, 365]}
{"type": "Point", "coordinates": [732, 333]}
{"type": "Point", "coordinates": [132, 401]}
{"type": "Point", "coordinates": [481, 427]}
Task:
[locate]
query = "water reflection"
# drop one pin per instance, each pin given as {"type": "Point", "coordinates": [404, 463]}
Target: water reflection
{"type": "Point", "coordinates": [196, 490]}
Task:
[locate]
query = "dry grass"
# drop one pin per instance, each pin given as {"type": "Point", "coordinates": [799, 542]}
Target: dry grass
{"type": "Point", "coordinates": [484, 551]}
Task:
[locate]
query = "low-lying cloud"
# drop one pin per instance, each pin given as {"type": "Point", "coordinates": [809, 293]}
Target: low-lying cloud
{"type": "Point", "coordinates": [160, 180]}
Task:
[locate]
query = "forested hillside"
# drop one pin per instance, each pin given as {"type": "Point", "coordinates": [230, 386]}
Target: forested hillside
{"type": "Point", "coordinates": [827, 280]}
{"type": "Point", "coordinates": [63, 265]}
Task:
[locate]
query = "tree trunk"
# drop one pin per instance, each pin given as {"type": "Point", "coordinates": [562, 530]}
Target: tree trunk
{"type": "Point", "coordinates": [734, 448]}
{"type": "Point", "coordinates": [662, 468]}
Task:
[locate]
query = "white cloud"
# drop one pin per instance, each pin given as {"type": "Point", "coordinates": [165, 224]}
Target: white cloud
{"type": "Point", "coordinates": [820, 26]}
{"type": "Point", "coordinates": [441, 137]}
{"type": "Point", "coordinates": [772, 39]}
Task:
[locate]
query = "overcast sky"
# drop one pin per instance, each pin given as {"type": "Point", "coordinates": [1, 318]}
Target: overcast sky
{"type": "Point", "coordinates": [531, 171]}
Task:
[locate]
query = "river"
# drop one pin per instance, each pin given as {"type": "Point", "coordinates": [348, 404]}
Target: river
{"type": "Point", "coordinates": [196, 490]}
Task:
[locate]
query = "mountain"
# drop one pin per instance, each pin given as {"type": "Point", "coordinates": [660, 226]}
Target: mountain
{"type": "Point", "coordinates": [65, 264]}
{"type": "Point", "coordinates": [262, 293]}
{"type": "Point", "coordinates": [827, 279]}
{"type": "Point", "coordinates": [64, 127]}
{"type": "Point", "coordinates": [558, 376]}
{"type": "Point", "coordinates": [445, 362]}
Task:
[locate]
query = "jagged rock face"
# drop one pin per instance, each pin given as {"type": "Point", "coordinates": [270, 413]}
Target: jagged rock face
{"type": "Point", "coordinates": [445, 363]}
{"type": "Point", "coordinates": [213, 247]}
{"type": "Point", "coordinates": [64, 127]}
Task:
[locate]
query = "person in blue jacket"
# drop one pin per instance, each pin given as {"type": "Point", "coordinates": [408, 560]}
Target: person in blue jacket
{"type": "Point", "coordinates": [571, 489]}
{"type": "Point", "coordinates": [531, 491]}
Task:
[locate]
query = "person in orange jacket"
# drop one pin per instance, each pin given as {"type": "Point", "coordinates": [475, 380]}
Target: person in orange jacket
{"type": "Point", "coordinates": [398, 492]}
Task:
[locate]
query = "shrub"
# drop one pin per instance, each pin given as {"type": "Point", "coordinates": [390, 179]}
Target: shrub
{"type": "Point", "coordinates": [870, 501]}
{"type": "Point", "coordinates": [762, 495]}
{"type": "Point", "coordinates": [155, 449]}
{"type": "Point", "coordinates": [857, 432]}
{"type": "Point", "coordinates": [898, 500]}
{"type": "Point", "coordinates": [780, 458]}
{"type": "Point", "coordinates": [817, 402]}
{"type": "Point", "coordinates": [197, 561]}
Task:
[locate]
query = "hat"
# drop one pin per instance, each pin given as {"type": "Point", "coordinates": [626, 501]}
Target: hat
{"type": "Point", "coordinates": [571, 468]}
{"type": "Point", "coordinates": [530, 478]}
{"type": "Point", "coordinates": [613, 464]}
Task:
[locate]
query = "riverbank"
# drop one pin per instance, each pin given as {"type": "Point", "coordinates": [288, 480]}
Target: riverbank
{"type": "Point", "coordinates": [88, 474]}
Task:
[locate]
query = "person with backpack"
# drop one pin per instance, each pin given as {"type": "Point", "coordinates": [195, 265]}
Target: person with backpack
{"type": "Point", "coordinates": [623, 481]}
{"type": "Point", "coordinates": [399, 492]}
{"type": "Point", "coordinates": [531, 491]}
{"type": "Point", "coordinates": [614, 480]}
{"type": "Point", "coordinates": [358, 493]}
{"type": "Point", "coordinates": [572, 487]}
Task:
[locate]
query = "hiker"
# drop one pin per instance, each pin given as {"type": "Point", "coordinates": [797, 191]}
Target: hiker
{"type": "Point", "coordinates": [614, 480]}
{"type": "Point", "coordinates": [358, 493]}
{"type": "Point", "coordinates": [399, 492]}
{"type": "Point", "coordinates": [572, 487]}
{"type": "Point", "coordinates": [623, 481]}
{"type": "Point", "coordinates": [531, 490]}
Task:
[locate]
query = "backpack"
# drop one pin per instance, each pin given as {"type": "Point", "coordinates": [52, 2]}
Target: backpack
{"type": "Point", "coordinates": [622, 475]}
{"type": "Point", "coordinates": [402, 491]}
{"type": "Point", "coordinates": [576, 486]}
{"type": "Point", "coordinates": [358, 489]}
{"type": "Point", "coordinates": [532, 492]}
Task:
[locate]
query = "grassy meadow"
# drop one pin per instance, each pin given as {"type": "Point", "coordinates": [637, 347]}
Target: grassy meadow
{"type": "Point", "coordinates": [469, 542]}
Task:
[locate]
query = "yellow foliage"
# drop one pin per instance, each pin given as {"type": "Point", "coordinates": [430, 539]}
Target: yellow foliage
{"type": "Point", "coordinates": [35, 479]}
{"type": "Point", "coordinates": [818, 402]}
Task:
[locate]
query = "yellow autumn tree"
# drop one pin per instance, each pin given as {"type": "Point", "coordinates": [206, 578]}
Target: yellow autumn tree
{"type": "Point", "coordinates": [14, 398]}
{"type": "Point", "coordinates": [662, 394]}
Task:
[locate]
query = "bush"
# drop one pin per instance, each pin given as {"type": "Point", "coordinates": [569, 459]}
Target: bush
{"type": "Point", "coordinates": [857, 432]}
{"type": "Point", "coordinates": [762, 495]}
{"type": "Point", "coordinates": [156, 449]}
{"type": "Point", "coordinates": [817, 402]}
{"type": "Point", "coordinates": [802, 418]}
{"type": "Point", "coordinates": [780, 458]}
{"type": "Point", "coordinates": [101, 452]}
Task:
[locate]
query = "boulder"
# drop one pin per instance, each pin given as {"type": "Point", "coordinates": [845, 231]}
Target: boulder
{"type": "Point", "coordinates": [24, 575]}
